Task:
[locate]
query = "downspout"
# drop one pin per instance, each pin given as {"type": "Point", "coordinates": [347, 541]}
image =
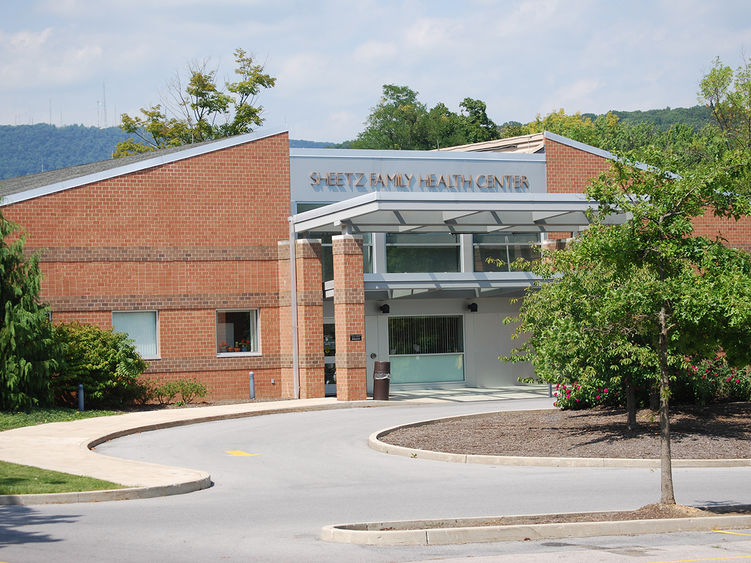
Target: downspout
{"type": "Point", "coordinates": [293, 308]}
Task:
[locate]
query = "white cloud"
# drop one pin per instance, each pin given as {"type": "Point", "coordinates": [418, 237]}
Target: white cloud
{"type": "Point", "coordinates": [375, 51]}
{"type": "Point", "coordinates": [39, 59]}
{"type": "Point", "coordinates": [331, 57]}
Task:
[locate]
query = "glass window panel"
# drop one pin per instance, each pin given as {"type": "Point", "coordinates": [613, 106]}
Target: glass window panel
{"type": "Point", "coordinates": [236, 331]}
{"type": "Point", "coordinates": [403, 259]}
{"type": "Point", "coordinates": [422, 252]}
{"type": "Point", "coordinates": [427, 368]}
{"type": "Point", "coordinates": [140, 326]}
{"type": "Point", "coordinates": [426, 335]}
{"type": "Point", "coordinates": [506, 247]}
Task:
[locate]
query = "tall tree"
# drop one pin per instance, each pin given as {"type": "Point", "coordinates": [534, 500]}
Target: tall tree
{"type": "Point", "coordinates": [727, 93]}
{"type": "Point", "coordinates": [396, 122]}
{"type": "Point", "coordinates": [26, 342]}
{"type": "Point", "coordinates": [478, 126]}
{"type": "Point", "coordinates": [401, 122]}
{"type": "Point", "coordinates": [199, 110]}
{"type": "Point", "coordinates": [650, 293]}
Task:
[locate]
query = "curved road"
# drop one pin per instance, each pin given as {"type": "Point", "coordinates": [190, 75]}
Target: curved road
{"type": "Point", "coordinates": [309, 469]}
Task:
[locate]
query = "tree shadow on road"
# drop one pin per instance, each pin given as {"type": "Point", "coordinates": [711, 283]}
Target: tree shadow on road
{"type": "Point", "coordinates": [16, 523]}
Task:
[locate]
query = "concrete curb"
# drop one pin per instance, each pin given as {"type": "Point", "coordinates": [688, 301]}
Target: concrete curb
{"type": "Point", "coordinates": [75, 440]}
{"type": "Point", "coordinates": [442, 532]}
{"type": "Point", "coordinates": [108, 494]}
{"type": "Point", "coordinates": [375, 442]}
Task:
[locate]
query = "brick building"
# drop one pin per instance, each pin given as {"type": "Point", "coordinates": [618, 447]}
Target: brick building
{"type": "Point", "coordinates": [188, 251]}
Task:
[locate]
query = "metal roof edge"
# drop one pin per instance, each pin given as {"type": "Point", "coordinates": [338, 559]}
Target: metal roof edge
{"type": "Point", "coordinates": [413, 155]}
{"type": "Point", "coordinates": [159, 160]}
{"type": "Point", "coordinates": [580, 146]}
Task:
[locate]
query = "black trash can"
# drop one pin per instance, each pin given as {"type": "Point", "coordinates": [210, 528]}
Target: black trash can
{"type": "Point", "coordinates": [381, 379]}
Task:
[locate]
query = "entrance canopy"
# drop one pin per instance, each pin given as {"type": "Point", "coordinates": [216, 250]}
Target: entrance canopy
{"type": "Point", "coordinates": [397, 212]}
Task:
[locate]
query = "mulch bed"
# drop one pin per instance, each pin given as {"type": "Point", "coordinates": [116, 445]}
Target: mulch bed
{"type": "Point", "coordinates": [711, 432]}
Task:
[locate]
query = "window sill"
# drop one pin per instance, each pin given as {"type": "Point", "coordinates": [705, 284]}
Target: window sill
{"type": "Point", "coordinates": [236, 354]}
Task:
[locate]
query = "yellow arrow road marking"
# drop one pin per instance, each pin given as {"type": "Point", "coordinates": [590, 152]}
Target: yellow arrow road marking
{"type": "Point", "coordinates": [239, 453]}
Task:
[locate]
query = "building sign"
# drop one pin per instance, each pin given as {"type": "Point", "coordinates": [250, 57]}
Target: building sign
{"type": "Point", "coordinates": [405, 181]}
{"type": "Point", "coordinates": [328, 175]}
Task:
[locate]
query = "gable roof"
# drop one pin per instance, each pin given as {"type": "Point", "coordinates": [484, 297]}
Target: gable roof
{"type": "Point", "coordinates": [529, 144]}
{"type": "Point", "coordinates": [14, 190]}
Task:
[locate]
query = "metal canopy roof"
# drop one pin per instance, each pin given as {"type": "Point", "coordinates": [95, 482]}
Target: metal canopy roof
{"type": "Point", "coordinates": [390, 212]}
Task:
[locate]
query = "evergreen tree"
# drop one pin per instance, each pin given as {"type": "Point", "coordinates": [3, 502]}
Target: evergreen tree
{"type": "Point", "coordinates": [26, 342]}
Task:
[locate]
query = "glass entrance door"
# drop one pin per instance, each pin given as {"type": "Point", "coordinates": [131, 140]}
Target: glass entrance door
{"type": "Point", "coordinates": [329, 359]}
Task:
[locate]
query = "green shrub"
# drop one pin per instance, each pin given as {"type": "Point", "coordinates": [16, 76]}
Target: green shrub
{"type": "Point", "coordinates": [188, 389]}
{"type": "Point", "coordinates": [191, 389]}
{"type": "Point", "coordinates": [164, 393]}
{"type": "Point", "coordinates": [105, 362]}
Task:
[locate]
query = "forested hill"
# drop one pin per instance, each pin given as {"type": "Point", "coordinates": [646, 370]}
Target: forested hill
{"type": "Point", "coordinates": [696, 116]}
{"type": "Point", "coordinates": [28, 149]}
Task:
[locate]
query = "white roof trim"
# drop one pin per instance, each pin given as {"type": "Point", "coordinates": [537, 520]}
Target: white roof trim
{"type": "Point", "coordinates": [134, 167]}
{"type": "Point", "coordinates": [581, 146]}
{"type": "Point", "coordinates": [413, 155]}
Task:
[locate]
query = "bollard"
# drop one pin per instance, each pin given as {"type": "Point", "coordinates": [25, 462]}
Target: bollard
{"type": "Point", "coordinates": [252, 384]}
{"type": "Point", "coordinates": [80, 397]}
{"type": "Point", "coordinates": [381, 379]}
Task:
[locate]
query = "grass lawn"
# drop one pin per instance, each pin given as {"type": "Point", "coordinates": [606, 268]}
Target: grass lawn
{"type": "Point", "coordinates": [10, 420]}
{"type": "Point", "coordinates": [23, 480]}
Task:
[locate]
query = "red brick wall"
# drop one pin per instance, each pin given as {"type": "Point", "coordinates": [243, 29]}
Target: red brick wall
{"type": "Point", "coordinates": [736, 233]}
{"type": "Point", "coordinates": [185, 239]}
{"type": "Point", "coordinates": [570, 170]}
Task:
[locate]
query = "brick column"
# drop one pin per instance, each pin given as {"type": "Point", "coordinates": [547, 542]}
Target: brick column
{"type": "Point", "coordinates": [310, 318]}
{"type": "Point", "coordinates": [349, 316]}
{"type": "Point", "coordinates": [285, 321]}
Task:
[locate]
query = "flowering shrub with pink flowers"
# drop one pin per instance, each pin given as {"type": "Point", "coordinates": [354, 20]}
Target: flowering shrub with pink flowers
{"type": "Point", "coordinates": [710, 381]}
{"type": "Point", "coordinates": [700, 383]}
{"type": "Point", "coordinates": [578, 396]}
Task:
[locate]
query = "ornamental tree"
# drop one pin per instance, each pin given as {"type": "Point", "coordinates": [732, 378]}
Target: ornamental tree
{"type": "Point", "coordinates": [199, 110]}
{"type": "Point", "coordinates": [26, 343]}
{"type": "Point", "coordinates": [639, 299]}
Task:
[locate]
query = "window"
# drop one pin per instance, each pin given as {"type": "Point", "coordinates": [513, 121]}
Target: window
{"type": "Point", "coordinates": [506, 247]}
{"type": "Point", "coordinates": [426, 349]}
{"type": "Point", "coordinates": [422, 252]}
{"type": "Point", "coordinates": [141, 327]}
{"type": "Point", "coordinates": [237, 332]}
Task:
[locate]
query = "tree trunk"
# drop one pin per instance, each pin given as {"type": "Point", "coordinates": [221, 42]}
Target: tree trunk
{"type": "Point", "coordinates": [630, 402]}
{"type": "Point", "coordinates": [667, 496]}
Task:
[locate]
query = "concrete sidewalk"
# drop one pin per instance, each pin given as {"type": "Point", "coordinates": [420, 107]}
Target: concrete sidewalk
{"type": "Point", "coordinates": [66, 447]}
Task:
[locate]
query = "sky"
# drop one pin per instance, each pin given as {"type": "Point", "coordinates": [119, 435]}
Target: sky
{"type": "Point", "coordinates": [67, 61]}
